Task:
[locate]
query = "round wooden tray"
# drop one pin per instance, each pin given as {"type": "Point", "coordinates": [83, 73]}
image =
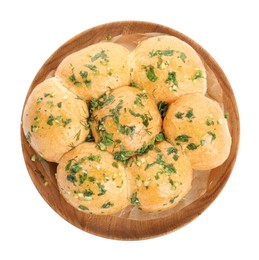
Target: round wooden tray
{"type": "Point", "coordinates": [122, 226]}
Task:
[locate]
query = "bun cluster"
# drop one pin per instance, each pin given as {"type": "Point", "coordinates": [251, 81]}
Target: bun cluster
{"type": "Point", "coordinates": [127, 128]}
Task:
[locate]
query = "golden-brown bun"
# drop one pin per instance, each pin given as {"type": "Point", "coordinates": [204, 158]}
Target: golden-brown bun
{"type": "Point", "coordinates": [54, 120]}
{"type": "Point", "coordinates": [125, 119]}
{"type": "Point", "coordinates": [159, 179]}
{"type": "Point", "coordinates": [167, 68]}
{"type": "Point", "coordinates": [90, 72]}
{"type": "Point", "coordinates": [91, 181]}
{"type": "Point", "coordinates": [198, 125]}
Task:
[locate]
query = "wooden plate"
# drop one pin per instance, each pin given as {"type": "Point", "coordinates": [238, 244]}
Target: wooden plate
{"type": "Point", "coordinates": [132, 224]}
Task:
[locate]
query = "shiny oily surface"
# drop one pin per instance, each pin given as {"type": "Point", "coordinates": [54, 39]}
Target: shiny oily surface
{"type": "Point", "coordinates": [132, 223]}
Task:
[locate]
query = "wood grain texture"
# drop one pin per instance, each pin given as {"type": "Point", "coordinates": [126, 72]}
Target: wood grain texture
{"type": "Point", "coordinates": [42, 173]}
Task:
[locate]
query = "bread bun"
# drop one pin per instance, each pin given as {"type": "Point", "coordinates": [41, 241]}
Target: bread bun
{"type": "Point", "coordinates": [90, 72]}
{"type": "Point", "coordinates": [91, 181]}
{"type": "Point", "coordinates": [159, 179]}
{"type": "Point", "coordinates": [198, 125]}
{"type": "Point", "coordinates": [124, 120]}
{"type": "Point", "coordinates": [167, 68]}
{"type": "Point", "coordinates": [54, 120]}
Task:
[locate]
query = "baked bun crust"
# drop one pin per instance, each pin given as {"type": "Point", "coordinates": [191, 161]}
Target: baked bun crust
{"type": "Point", "coordinates": [54, 120]}
{"type": "Point", "coordinates": [125, 119]}
{"type": "Point", "coordinates": [160, 178]}
{"type": "Point", "coordinates": [167, 68]}
{"type": "Point", "coordinates": [93, 70]}
{"type": "Point", "coordinates": [198, 125]}
{"type": "Point", "coordinates": [91, 181]}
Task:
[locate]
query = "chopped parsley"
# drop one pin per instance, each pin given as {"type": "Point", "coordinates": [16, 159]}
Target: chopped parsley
{"type": "Point", "coordinates": [34, 128]}
{"type": "Point", "coordinates": [71, 178]}
{"type": "Point", "coordinates": [83, 74]}
{"type": "Point", "coordinates": [192, 146]}
{"type": "Point", "coordinates": [115, 112]}
{"type": "Point", "coordinates": [160, 137]}
{"type": "Point", "coordinates": [138, 100]}
{"type": "Point", "coordinates": [92, 68]}
{"type": "Point", "coordinates": [161, 53]}
{"type": "Point", "coordinates": [123, 155]}
{"type": "Point", "coordinates": [101, 55]}
{"type": "Point", "coordinates": [209, 122]}
{"type": "Point", "coordinates": [150, 73]}
{"type": "Point", "coordinates": [39, 100]}
{"type": "Point", "coordinates": [59, 104]}
{"type": "Point", "coordinates": [134, 199]}
{"type": "Point", "coordinates": [162, 107]}
{"type": "Point", "coordinates": [213, 136]}
{"type": "Point", "coordinates": [171, 150]}
{"type": "Point", "coordinates": [105, 140]}
{"type": "Point", "coordinates": [135, 85]}
{"type": "Point", "coordinates": [82, 178]}
{"type": "Point", "coordinates": [107, 205]}
{"type": "Point", "coordinates": [28, 137]}
{"type": "Point", "coordinates": [145, 117]}
{"type": "Point", "coordinates": [197, 75]}
{"type": "Point", "coordinates": [182, 138]}
{"type": "Point", "coordinates": [179, 115]}
{"type": "Point", "coordinates": [83, 207]}
{"type": "Point", "coordinates": [127, 130]}
{"type": "Point", "coordinates": [96, 158]}
{"type": "Point", "coordinates": [182, 56]}
{"type": "Point", "coordinates": [226, 115]}
{"type": "Point", "coordinates": [101, 189]}
{"type": "Point", "coordinates": [189, 114]}
{"type": "Point", "coordinates": [115, 165]}
{"type": "Point", "coordinates": [92, 179]}
{"type": "Point", "coordinates": [88, 193]}
{"type": "Point", "coordinates": [90, 137]}
{"type": "Point", "coordinates": [172, 200]}
{"type": "Point", "coordinates": [168, 168]}
{"type": "Point", "coordinates": [172, 78]}
{"type": "Point", "coordinates": [66, 122]}
{"type": "Point", "coordinates": [50, 120]}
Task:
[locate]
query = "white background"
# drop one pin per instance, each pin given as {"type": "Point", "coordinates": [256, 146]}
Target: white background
{"type": "Point", "coordinates": [31, 31]}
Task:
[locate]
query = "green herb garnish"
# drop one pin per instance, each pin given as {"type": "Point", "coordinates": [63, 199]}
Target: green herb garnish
{"type": "Point", "coordinates": [198, 75]}
{"type": "Point", "coordinates": [138, 100]}
{"type": "Point", "coordinates": [145, 117]}
{"type": "Point", "coordinates": [127, 130]}
{"type": "Point", "coordinates": [179, 115]}
{"type": "Point", "coordinates": [162, 107]}
{"type": "Point", "coordinates": [213, 136]}
{"type": "Point", "coordinates": [209, 122]}
{"type": "Point", "coordinates": [182, 138]}
{"type": "Point", "coordinates": [28, 137]}
{"type": "Point", "coordinates": [71, 178]}
{"type": "Point", "coordinates": [88, 193]}
{"type": "Point", "coordinates": [101, 55]}
{"type": "Point", "coordinates": [134, 199]}
{"type": "Point", "coordinates": [160, 137]}
{"type": "Point", "coordinates": [107, 205]}
{"type": "Point", "coordinates": [192, 146]}
{"type": "Point", "coordinates": [92, 68]}
{"type": "Point", "coordinates": [101, 188]}
{"type": "Point", "coordinates": [226, 115]}
{"type": "Point", "coordinates": [189, 114]}
{"type": "Point", "coordinates": [83, 207]}
{"type": "Point", "coordinates": [150, 73]}
{"type": "Point", "coordinates": [182, 56]}
{"type": "Point", "coordinates": [173, 199]}
{"type": "Point", "coordinates": [172, 78]}
{"type": "Point", "coordinates": [50, 120]}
